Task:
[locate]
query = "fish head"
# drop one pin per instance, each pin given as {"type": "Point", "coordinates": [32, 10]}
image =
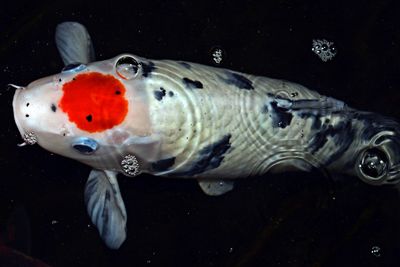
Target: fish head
{"type": "Point", "coordinates": [95, 113]}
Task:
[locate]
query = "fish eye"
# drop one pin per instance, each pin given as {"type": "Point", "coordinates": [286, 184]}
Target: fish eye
{"type": "Point", "coordinates": [74, 67]}
{"type": "Point", "coordinates": [127, 67]}
{"type": "Point", "coordinates": [374, 163]}
{"type": "Point", "coordinates": [85, 145]}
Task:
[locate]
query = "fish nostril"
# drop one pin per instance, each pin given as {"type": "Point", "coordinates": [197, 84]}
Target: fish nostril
{"type": "Point", "coordinates": [27, 115]}
{"type": "Point", "coordinates": [27, 104]}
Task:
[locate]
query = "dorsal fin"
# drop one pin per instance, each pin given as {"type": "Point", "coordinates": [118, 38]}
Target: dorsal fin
{"type": "Point", "coordinates": [74, 43]}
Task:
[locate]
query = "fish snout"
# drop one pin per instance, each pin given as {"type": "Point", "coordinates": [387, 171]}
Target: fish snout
{"type": "Point", "coordinates": [31, 107]}
{"type": "Point", "coordinates": [20, 115]}
{"type": "Point", "coordinates": [17, 110]}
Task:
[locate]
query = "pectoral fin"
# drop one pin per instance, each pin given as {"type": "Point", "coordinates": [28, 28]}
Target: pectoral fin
{"type": "Point", "coordinates": [74, 43]}
{"type": "Point", "coordinates": [106, 207]}
{"type": "Point", "coordinates": [215, 187]}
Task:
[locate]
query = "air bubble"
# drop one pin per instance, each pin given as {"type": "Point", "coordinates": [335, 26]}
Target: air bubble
{"type": "Point", "coordinates": [127, 67]}
{"type": "Point", "coordinates": [376, 251]}
{"type": "Point", "coordinates": [374, 163]}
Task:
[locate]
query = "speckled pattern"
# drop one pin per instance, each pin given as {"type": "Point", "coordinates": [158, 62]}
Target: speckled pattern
{"type": "Point", "coordinates": [270, 123]}
{"type": "Point", "coordinates": [194, 119]}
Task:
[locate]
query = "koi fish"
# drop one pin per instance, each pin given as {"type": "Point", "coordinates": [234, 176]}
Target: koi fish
{"type": "Point", "coordinates": [133, 115]}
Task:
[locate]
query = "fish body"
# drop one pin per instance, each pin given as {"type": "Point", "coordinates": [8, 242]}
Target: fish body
{"type": "Point", "coordinates": [133, 115]}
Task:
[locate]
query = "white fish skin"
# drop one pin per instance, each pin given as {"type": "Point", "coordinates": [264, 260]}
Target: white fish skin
{"type": "Point", "coordinates": [190, 120]}
{"type": "Point", "coordinates": [193, 121]}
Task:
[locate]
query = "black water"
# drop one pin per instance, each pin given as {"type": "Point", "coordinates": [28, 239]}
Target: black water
{"type": "Point", "coordinates": [293, 219]}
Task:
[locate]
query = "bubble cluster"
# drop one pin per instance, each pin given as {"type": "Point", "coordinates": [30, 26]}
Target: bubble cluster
{"type": "Point", "coordinates": [324, 49]}
{"type": "Point", "coordinates": [130, 165]}
{"type": "Point", "coordinates": [30, 138]}
{"type": "Point", "coordinates": [218, 55]}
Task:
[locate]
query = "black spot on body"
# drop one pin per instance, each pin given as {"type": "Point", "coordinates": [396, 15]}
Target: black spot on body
{"type": "Point", "coordinates": [343, 140]}
{"type": "Point", "coordinates": [53, 108]}
{"type": "Point", "coordinates": [371, 124]}
{"type": "Point", "coordinates": [159, 94]}
{"type": "Point", "coordinates": [117, 92]}
{"type": "Point", "coordinates": [89, 118]}
{"type": "Point", "coordinates": [320, 139]}
{"type": "Point", "coordinates": [375, 123]}
{"type": "Point", "coordinates": [317, 122]}
{"type": "Point", "coordinates": [171, 94]}
{"type": "Point", "coordinates": [27, 115]}
{"type": "Point", "coordinates": [313, 109]}
{"type": "Point", "coordinates": [147, 68]}
{"type": "Point", "coordinates": [264, 109]}
{"type": "Point", "coordinates": [238, 80]}
{"type": "Point", "coordinates": [281, 117]}
{"type": "Point", "coordinates": [163, 165]}
{"type": "Point", "coordinates": [185, 64]}
{"type": "Point", "coordinates": [59, 80]}
{"type": "Point", "coordinates": [27, 104]}
{"type": "Point", "coordinates": [342, 135]}
{"type": "Point", "coordinates": [315, 116]}
{"type": "Point", "coordinates": [210, 157]}
{"type": "Point", "coordinates": [190, 84]}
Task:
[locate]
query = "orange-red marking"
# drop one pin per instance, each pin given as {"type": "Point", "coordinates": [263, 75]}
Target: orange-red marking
{"type": "Point", "coordinates": [94, 102]}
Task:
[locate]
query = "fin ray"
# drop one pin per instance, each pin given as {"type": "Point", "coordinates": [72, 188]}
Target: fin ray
{"type": "Point", "coordinates": [106, 207]}
{"type": "Point", "coordinates": [74, 43]}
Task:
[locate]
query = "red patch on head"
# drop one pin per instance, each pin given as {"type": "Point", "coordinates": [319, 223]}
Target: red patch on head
{"type": "Point", "coordinates": [94, 102]}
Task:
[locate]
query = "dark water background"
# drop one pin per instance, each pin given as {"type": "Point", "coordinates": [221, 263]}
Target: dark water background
{"type": "Point", "coordinates": [292, 219]}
